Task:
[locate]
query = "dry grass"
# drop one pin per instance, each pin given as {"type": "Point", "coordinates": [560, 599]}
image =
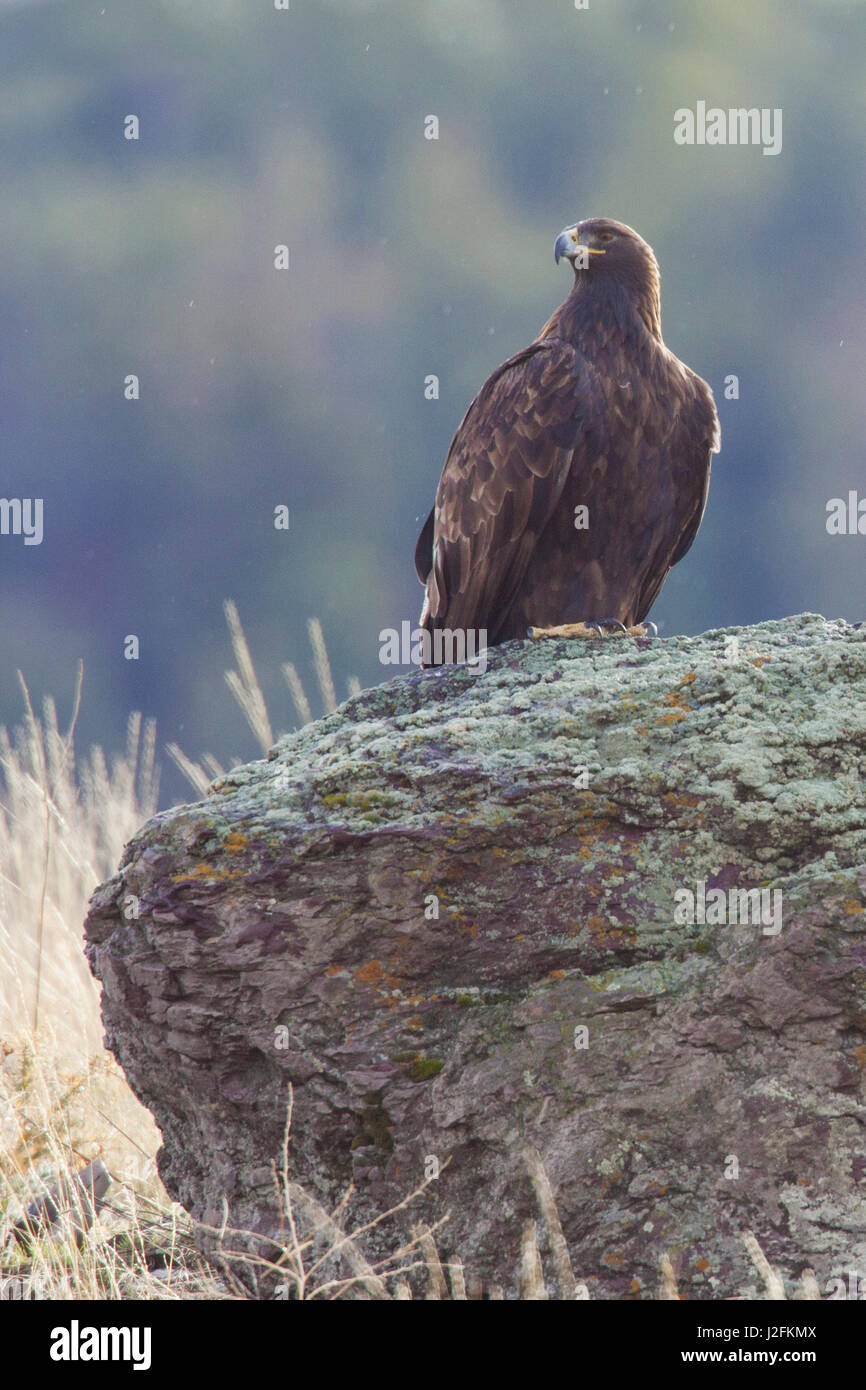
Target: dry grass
{"type": "Point", "coordinates": [63, 826]}
{"type": "Point", "coordinates": [244, 685]}
{"type": "Point", "coordinates": [63, 1100]}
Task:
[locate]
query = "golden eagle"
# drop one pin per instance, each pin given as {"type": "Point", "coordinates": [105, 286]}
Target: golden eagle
{"type": "Point", "coordinates": [579, 474]}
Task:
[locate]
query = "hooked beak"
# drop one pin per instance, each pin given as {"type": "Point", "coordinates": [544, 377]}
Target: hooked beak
{"type": "Point", "coordinates": [567, 244]}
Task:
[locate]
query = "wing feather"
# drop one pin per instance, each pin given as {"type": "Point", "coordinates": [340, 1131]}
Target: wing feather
{"type": "Point", "coordinates": [503, 477]}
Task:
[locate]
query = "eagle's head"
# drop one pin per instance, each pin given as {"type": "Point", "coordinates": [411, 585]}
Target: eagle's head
{"type": "Point", "coordinates": [610, 252]}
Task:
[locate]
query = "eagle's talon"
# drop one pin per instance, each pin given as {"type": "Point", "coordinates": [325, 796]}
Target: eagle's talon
{"type": "Point", "coordinates": [593, 629]}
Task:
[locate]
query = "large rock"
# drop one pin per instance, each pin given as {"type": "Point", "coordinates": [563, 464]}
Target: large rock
{"type": "Point", "coordinates": [287, 930]}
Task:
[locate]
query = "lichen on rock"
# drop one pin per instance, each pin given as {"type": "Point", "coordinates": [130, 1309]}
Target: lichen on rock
{"type": "Point", "coordinates": [455, 916]}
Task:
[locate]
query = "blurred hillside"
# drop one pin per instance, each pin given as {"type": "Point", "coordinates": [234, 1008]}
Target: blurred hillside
{"type": "Point", "coordinates": [407, 257]}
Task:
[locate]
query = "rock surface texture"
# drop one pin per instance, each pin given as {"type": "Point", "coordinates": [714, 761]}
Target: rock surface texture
{"type": "Point", "coordinates": [455, 915]}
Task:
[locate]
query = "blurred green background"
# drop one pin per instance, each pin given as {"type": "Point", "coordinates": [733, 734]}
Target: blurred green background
{"type": "Point", "coordinates": [408, 257]}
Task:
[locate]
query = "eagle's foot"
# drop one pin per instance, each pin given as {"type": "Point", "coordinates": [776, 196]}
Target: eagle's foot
{"type": "Point", "coordinates": [595, 629]}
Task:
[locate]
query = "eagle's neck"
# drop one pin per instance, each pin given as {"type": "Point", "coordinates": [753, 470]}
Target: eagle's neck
{"type": "Point", "coordinates": [600, 308]}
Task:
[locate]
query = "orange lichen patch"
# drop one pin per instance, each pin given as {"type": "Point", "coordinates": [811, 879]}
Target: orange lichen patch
{"type": "Point", "coordinates": [556, 975]}
{"type": "Point", "coordinates": [679, 799]}
{"type": "Point", "coordinates": [200, 871]}
{"type": "Point", "coordinates": [676, 697]}
{"type": "Point", "coordinates": [334, 970]}
{"type": "Point", "coordinates": [680, 710]}
{"type": "Point", "coordinates": [860, 1054]}
{"type": "Point", "coordinates": [370, 974]}
{"type": "Point", "coordinates": [761, 660]}
{"type": "Point", "coordinates": [614, 1258]}
{"type": "Point", "coordinates": [604, 935]}
{"type": "Point", "coordinates": [602, 822]}
{"type": "Point", "coordinates": [702, 1264]}
{"type": "Point", "coordinates": [852, 907]}
{"type": "Point", "coordinates": [416, 1024]}
{"type": "Point", "coordinates": [636, 1286]}
{"type": "Point", "coordinates": [687, 680]}
{"type": "Point", "coordinates": [804, 1182]}
{"type": "Point", "coordinates": [235, 841]}
{"type": "Point", "coordinates": [209, 872]}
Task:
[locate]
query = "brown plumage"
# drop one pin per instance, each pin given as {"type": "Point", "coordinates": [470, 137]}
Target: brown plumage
{"type": "Point", "coordinates": [596, 413]}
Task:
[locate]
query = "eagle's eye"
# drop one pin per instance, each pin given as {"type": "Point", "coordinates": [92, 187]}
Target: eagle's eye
{"type": "Point", "coordinates": [605, 236]}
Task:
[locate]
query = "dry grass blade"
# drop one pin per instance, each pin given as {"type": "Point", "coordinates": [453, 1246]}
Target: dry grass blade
{"type": "Point", "coordinates": [436, 1285]}
{"type": "Point", "coordinates": [668, 1287]}
{"type": "Point", "coordinates": [771, 1276]}
{"type": "Point", "coordinates": [296, 688]}
{"type": "Point", "coordinates": [547, 1205]}
{"type": "Point", "coordinates": [38, 745]}
{"type": "Point", "coordinates": [531, 1276]}
{"type": "Point", "coordinates": [194, 773]}
{"type": "Point", "coordinates": [322, 1224]}
{"type": "Point", "coordinates": [458, 1281]}
{"type": "Point", "coordinates": [323, 665]}
{"type": "Point", "coordinates": [244, 684]}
